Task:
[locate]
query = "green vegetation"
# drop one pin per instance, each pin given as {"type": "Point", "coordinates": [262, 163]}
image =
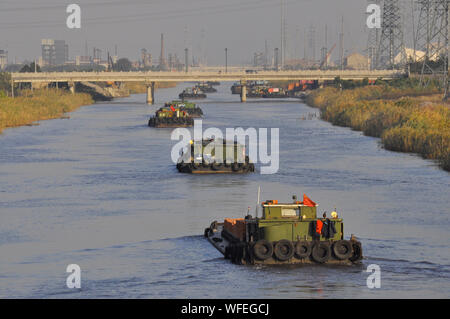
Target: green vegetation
{"type": "Point", "coordinates": [38, 105]}
{"type": "Point", "coordinates": [122, 65]}
{"type": "Point", "coordinates": [30, 68]}
{"type": "Point", "coordinates": [399, 113]}
{"type": "Point", "coordinates": [5, 83]}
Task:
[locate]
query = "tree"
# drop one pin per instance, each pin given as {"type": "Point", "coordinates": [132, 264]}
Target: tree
{"type": "Point", "coordinates": [30, 68]}
{"type": "Point", "coordinates": [122, 65]}
{"type": "Point", "coordinates": [5, 83]}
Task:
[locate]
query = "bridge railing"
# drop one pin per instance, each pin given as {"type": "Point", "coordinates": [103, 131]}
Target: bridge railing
{"type": "Point", "coordinates": [202, 76]}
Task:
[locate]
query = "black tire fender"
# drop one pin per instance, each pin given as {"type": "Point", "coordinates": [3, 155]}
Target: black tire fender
{"type": "Point", "coordinates": [205, 163]}
{"type": "Point", "coordinates": [195, 165]}
{"type": "Point", "coordinates": [216, 166]}
{"type": "Point", "coordinates": [262, 249]}
{"type": "Point", "coordinates": [303, 249]}
{"type": "Point", "coordinates": [321, 252]}
{"type": "Point", "coordinates": [343, 249]}
{"type": "Point", "coordinates": [357, 252]}
{"type": "Point", "coordinates": [284, 250]}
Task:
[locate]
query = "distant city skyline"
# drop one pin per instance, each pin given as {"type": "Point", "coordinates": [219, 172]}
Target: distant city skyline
{"type": "Point", "coordinates": [206, 27]}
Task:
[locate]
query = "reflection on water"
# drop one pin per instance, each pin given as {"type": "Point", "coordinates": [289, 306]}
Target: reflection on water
{"type": "Point", "coordinates": [100, 190]}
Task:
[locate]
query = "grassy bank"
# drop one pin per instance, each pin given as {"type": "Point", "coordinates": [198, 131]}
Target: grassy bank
{"type": "Point", "coordinates": [406, 119]}
{"type": "Point", "coordinates": [141, 87]}
{"type": "Point", "coordinates": [39, 105]}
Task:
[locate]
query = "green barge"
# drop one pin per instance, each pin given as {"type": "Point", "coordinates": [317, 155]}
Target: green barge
{"type": "Point", "coordinates": [286, 233]}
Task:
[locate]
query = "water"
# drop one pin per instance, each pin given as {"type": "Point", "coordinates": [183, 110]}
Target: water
{"type": "Point", "coordinates": [99, 190]}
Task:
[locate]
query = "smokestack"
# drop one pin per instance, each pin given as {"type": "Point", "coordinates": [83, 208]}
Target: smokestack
{"type": "Point", "coordinates": [162, 61]}
{"type": "Point", "coordinates": [276, 59]}
{"type": "Point", "coordinates": [186, 60]}
{"type": "Point", "coordinates": [341, 45]}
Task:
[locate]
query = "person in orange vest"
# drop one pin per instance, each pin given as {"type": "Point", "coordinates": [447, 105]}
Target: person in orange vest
{"type": "Point", "coordinates": [319, 225]}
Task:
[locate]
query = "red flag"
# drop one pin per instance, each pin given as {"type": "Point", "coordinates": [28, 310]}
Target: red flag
{"type": "Point", "coordinates": [172, 108]}
{"type": "Point", "coordinates": [308, 202]}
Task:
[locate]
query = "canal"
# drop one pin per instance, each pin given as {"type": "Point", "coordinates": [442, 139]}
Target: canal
{"type": "Point", "coordinates": [99, 190]}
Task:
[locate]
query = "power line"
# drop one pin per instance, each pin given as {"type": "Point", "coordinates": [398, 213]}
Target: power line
{"type": "Point", "coordinates": [162, 15]}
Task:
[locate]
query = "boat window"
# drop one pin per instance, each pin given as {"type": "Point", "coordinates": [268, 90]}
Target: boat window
{"type": "Point", "coordinates": [288, 212]}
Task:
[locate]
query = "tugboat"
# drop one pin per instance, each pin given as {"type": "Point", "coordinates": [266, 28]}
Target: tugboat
{"type": "Point", "coordinates": [192, 93]}
{"type": "Point", "coordinates": [193, 110]}
{"type": "Point", "coordinates": [205, 87]}
{"type": "Point", "coordinates": [256, 91]}
{"type": "Point", "coordinates": [286, 233]}
{"type": "Point", "coordinates": [171, 117]}
{"type": "Point", "coordinates": [236, 88]}
{"type": "Point", "coordinates": [201, 158]}
{"type": "Point", "coordinates": [274, 93]}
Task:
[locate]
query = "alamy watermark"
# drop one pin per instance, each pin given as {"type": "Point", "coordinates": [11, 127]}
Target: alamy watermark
{"type": "Point", "coordinates": [374, 279]}
{"type": "Point", "coordinates": [374, 18]}
{"type": "Point", "coordinates": [74, 279]}
{"type": "Point", "coordinates": [74, 19]}
{"type": "Point", "coordinates": [213, 152]}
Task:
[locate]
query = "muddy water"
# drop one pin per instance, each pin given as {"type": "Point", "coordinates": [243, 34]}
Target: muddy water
{"type": "Point", "coordinates": [99, 190]}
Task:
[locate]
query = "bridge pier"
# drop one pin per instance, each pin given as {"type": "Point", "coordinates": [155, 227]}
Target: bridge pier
{"type": "Point", "coordinates": [321, 83]}
{"type": "Point", "coordinates": [72, 87]}
{"type": "Point", "coordinates": [243, 91]}
{"type": "Point", "coordinates": [151, 93]}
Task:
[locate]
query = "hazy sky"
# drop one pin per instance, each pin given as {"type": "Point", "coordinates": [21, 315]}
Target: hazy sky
{"type": "Point", "coordinates": [242, 26]}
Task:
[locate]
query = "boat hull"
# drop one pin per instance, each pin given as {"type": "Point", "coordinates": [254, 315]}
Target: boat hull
{"type": "Point", "coordinates": [209, 169]}
{"type": "Point", "coordinates": [169, 122]}
{"type": "Point", "coordinates": [241, 252]}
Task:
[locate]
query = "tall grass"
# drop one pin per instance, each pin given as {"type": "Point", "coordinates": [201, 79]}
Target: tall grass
{"type": "Point", "coordinates": [39, 105]}
{"type": "Point", "coordinates": [398, 115]}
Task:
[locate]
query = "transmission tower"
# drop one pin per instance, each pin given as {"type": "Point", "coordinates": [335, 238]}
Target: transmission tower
{"type": "Point", "coordinates": [391, 49]}
{"type": "Point", "coordinates": [324, 50]}
{"type": "Point", "coordinates": [433, 39]}
{"type": "Point", "coordinates": [312, 43]}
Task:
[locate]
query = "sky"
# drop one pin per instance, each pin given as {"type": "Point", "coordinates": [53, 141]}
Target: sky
{"type": "Point", "coordinates": [206, 27]}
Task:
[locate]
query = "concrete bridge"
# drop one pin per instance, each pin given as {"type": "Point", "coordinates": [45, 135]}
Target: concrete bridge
{"type": "Point", "coordinates": [199, 76]}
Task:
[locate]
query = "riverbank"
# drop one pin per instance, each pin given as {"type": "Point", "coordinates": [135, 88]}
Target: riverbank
{"type": "Point", "coordinates": [39, 105]}
{"type": "Point", "coordinates": [141, 87]}
{"type": "Point", "coordinates": [407, 120]}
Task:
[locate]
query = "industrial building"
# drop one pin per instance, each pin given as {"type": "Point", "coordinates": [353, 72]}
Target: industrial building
{"type": "Point", "coordinates": [3, 59]}
{"type": "Point", "coordinates": [356, 61]}
{"type": "Point", "coordinates": [54, 52]}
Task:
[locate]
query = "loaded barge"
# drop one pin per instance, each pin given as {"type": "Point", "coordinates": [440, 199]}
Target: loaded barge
{"type": "Point", "coordinates": [171, 117]}
{"type": "Point", "coordinates": [215, 156]}
{"type": "Point", "coordinates": [287, 233]}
